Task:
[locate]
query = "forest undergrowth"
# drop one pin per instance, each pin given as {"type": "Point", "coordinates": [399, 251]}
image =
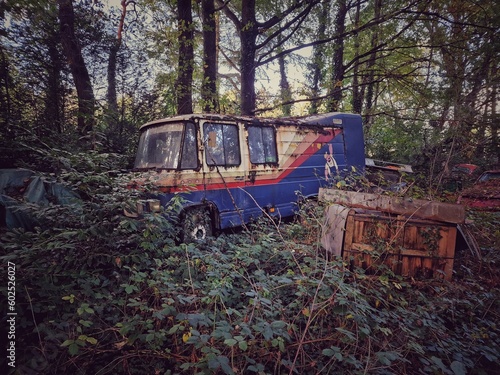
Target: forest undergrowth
{"type": "Point", "coordinates": [99, 293]}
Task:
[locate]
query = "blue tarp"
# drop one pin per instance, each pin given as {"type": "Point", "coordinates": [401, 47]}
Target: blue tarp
{"type": "Point", "coordinates": [22, 188]}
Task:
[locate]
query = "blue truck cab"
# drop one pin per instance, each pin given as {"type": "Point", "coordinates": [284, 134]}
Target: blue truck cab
{"type": "Point", "coordinates": [233, 169]}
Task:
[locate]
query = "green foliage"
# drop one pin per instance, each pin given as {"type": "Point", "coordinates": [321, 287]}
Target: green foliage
{"type": "Point", "coordinates": [101, 293]}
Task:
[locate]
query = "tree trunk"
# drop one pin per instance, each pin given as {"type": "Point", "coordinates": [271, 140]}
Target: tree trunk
{"type": "Point", "coordinates": [53, 101]}
{"type": "Point", "coordinates": [81, 77]}
{"type": "Point", "coordinates": [111, 96]}
{"type": "Point", "coordinates": [357, 93]}
{"type": "Point", "coordinates": [370, 80]}
{"type": "Point", "coordinates": [209, 95]}
{"type": "Point", "coordinates": [338, 58]}
{"type": "Point", "coordinates": [494, 124]}
{"type": "Point", "coordinates": [248, 36]}
{"type": "Point", "coordinates": [285, 92]}
{"type": "Point", "coordinates": [5, 100]}
{"type": "Point", "coordinates": [184, 84]}
{"type": "Point", "coordinates": [113, 116]}
{"type": "Point", "coordinates": [318, 58]}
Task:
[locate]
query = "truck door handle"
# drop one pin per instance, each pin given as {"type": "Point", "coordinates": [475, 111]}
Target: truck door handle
{"type": "Point", "coordinates": [251, 176]}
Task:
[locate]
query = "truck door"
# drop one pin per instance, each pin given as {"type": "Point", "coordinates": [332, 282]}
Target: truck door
{"type": "Point", "coordinates": [224, 170]}
{"type": "Point", "coordinates": [262, 177]}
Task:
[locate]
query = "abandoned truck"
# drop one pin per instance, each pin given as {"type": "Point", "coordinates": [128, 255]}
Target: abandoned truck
{"type": "Point", "coordinates": [231, 170]}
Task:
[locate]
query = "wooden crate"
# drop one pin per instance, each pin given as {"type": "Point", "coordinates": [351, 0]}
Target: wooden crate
{"type": "Point", "coordinates": [408, 246]}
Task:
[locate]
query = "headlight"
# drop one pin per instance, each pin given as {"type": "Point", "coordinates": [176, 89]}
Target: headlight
{"type": "Point", "coordinates": [148, 205]}
{"type": "Point", "coordinates": [144, 206]}
{"type": "Point", "coordinates": [153, 205]}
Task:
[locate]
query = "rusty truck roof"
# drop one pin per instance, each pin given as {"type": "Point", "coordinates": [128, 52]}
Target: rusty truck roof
{"type": "Point", "coordinates": [314, 120]}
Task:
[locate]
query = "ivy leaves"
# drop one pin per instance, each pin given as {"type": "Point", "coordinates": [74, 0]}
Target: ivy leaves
{"type": "Point", "coordinates": [125, 295]}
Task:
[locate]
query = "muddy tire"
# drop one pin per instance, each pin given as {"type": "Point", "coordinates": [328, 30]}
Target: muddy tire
{"type": "Point", "coordinates": [197, 225]}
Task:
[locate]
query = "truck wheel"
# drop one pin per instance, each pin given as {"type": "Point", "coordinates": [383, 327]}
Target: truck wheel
{"type": "Point", "coordinates": [197, 225]}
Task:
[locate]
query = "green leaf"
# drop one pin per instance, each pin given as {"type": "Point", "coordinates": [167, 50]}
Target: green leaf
{"type": "Point", "coordinates": [281, 344]}
{"type": "Point", "coordinates": [385, 331]}
{"type": "Point", "coordinates": [346, 332]}
{"type": "Point", "coordinates": [224, 364]}
{"type": "Point", "coordinates": [278, 324]}
{"type": "Point", "coordinates": [85, 323]}
{"type": "Point", "coordinates": [84, 308]}
{"type": "Point", "coordinates": [458, 368]}
{"type": "Point", "coordinates": [332, 351]}
{"type": "Point", "coordinates": [328, 352]}
{"type": "Point", "coordinates": [230, 342]}
{"type": "Point", "coordinates": [174, 329]}
{"type": "Point", "coordinates": [70, 298]}
{"type": "Point", "coordinates": [91, 340]}
{"type": "Point", "coordinates": [243, 345]}
{"type": "Point", "coordinates": [439, 363]}
{"type": "Point", "coordinates": [130, 288]}
{"type": "Point", "coordinates": [67, 343]}
{"type": "Point", "coordinates": [365, 330]}
{"type": "Point", "coordinates": [73, 349]}
{"type": "Point", "coordinates": [385, 358]}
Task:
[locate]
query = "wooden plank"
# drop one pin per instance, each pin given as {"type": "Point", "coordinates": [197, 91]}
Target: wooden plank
{"type": "Point", "coordinates": [447, 250]}
{"type": "Point", "coordinates": [349, 232]}
{"type": "Point", "coordinates": [413, 253]}
{"type": "Point", "coordinates": [447, 212]}
{"type": "Point", "coordinates": [447, 242]}
{"type": "Point", "coordinates": [410, 247]}
{"type": "Point", "coordinates": [411, 239]}
{"type": "Point", "coordinates": [429, 267]}
{"type": "Point", "coordinates": [361, 247]}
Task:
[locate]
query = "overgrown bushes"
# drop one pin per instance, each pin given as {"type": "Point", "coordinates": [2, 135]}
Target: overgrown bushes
{"type": "Point", "coordinates": [99, 293]}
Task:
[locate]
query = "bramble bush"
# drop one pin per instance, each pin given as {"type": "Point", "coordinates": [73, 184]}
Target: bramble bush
{"type": "Point", "coordinates": [100, 293]}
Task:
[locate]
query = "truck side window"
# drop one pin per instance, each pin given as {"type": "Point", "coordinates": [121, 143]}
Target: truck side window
{"type": "Point", "coordinates": [189, 159]}
{"type": "Point", "coordinates": [221, 144]}
{"type": "Point", "coordinates": [262, 145]}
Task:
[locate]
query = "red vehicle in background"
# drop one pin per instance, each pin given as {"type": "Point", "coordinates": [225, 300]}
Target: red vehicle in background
{"type": "Point", "coordinates": [467, 169]}
{"type": "Point", "coordinates": [460, 177]}
{"type": "Point", "coordinates": [484, 194]}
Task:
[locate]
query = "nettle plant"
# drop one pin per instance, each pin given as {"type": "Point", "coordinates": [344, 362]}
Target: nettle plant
{"type": "Point", "coordinates": [102, 293]}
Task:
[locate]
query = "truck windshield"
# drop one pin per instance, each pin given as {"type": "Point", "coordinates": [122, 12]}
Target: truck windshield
{"type": "Point", "coordinates": [160, 147]}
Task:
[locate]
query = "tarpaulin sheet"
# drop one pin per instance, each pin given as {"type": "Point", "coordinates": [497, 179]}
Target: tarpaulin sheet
{"type": "Point", "coordinates": [21, 190]}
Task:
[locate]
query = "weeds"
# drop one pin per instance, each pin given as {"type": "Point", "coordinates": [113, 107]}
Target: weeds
{"type": "Point", "coordinates": [101, 293]}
